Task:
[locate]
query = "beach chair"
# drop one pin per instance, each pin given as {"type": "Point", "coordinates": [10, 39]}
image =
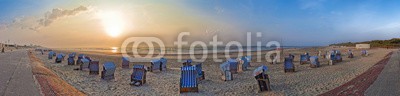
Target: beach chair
{"type": "Point", "coordinates": [200, 73]}
{"type": "Point", "coordinates": [71, 55]}
{"type": "Point", "coordinates": [187, 62]}
{"type": "Point", "coordinates": [94, 68]}
{"type": "Point", "coordinates": [364, 53]}
{"type": "Point", "coordinates": [338, 58]}
{"type": "Point", "coordinates": [155, 65]}
{"type": "Point", "coordinates": [138, 76]}
{"type": "Point", "coordinates": [88, 58]}
{"type": "Point", "coordinates": [304, 59]}
{"type": "Point", "coordinates": [63, 56]}
{"type": "Point", "coordinates": [125, 62]}
{"type": "Point", "coordinates": [249, 60]}
{"type": "Point", "coordinates": [225, 71]}
{"type": "Point", "coordinates": [332, 59]}
{"type": "Point", "coordinates": [262, 78]}
{"type": "Point", "coordinates": [71, 61]}
{"type": "Point", "coordinates": [78, 61]}
{"type": "Point", "coordinates": [350, 54]}
{"type": "Point", "coordinates": [188, 80]}
{"type": "Point", "coordinates": [59, 58]}
{"type": "Point", "coordinates": [233, 65]}
{"type": "Point", "coordinates": [108, 71]}
{"type": "Point", "coordinates": [84, 64]}
{"type": "Point", "coordinates": [163, 63]}
{"type": "Point", "coordinates": [314, 62]}
{"type": "Point", "coordinates": [243, 64]}
{"type": "Point", "coordinates": [50, 55]}
{"type": "Point", "coordinates": [289, 66]}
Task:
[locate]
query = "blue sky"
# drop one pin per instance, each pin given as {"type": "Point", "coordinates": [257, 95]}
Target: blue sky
{"type": "Point", "coordinates": [293, 22]}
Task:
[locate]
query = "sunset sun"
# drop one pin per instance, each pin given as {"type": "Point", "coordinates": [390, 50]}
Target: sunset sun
{"type": "Point", "coordinates": [113, 22]}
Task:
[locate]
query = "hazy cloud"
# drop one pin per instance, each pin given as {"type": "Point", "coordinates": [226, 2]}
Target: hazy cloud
{"type": "Point", "coordinates": [58, 13]}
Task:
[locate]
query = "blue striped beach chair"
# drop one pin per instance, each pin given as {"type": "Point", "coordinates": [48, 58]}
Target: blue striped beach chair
{"type": "Point", "coordinates": [125, 62]}
{"type": "Point", "coordinates": [225, 71]}
{"type": "Point", "coordinates": [233, 65]}
{"type": "Point", "coordinates": [108, 71]}
{"type": "Point", "coordinates": [84, 64]}
{"type": "Point", "coordinates": [188, 80]}
{"type": "Point", "coordinates": [314, 62]}
{"type": "Point", "coordinates": [94, 68]}
{"type": "Point", "coordinates": [138, 76]}
{"type": "Point", "coordinates": [288, 65]}
{"type": "Point", "coordinates": [71, 61]}
{"type": "Point", "coordinates": [262, 78]}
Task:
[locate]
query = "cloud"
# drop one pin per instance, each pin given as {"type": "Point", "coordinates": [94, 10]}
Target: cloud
{"type": "Point", "coordinates": [58, 13]}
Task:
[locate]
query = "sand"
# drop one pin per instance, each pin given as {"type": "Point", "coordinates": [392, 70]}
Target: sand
{"type": "Point", "coordinates": [305, 81]}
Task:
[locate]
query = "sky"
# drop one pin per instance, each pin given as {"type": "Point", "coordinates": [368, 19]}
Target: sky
{"type": "Point", "coordinates": [107, 23]}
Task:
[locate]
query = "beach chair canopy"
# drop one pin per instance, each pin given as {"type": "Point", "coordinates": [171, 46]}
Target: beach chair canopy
{"type": "Point", "coordinates": [188, 77]}
{"type": "Point", "coordinates": [51, 53]}
{"type": "Point", "coordinates": [260, 70]}
{"type": "Point", "coordinates": [248, 58]}
{"type": "Point", "coordinates": [109, 67]}
{"type": "Point", "coordinates": [125, 59]}
{"type": "Point", "coordinates": [289, 63]}
{"type": "Point", "coordinates": [233, 63]}
{"type": "Point", "coordinates": [156, 63]}
{"type": "Point", "coordinates": [314, 60]}
{"type": "Point", "coordinates": [72, 55]}
{"type": "Point", "coordinates": [189, 61]}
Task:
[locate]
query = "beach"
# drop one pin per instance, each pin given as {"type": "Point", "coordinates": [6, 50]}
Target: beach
{"type": "Point", "coordinates": [305, 81]}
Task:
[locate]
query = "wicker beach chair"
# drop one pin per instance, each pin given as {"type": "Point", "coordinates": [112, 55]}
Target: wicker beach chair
{"type": "Point", "coordinates": [94, 68]}
{"type": "Point", "coordinates": [188, 80]}
{"type": "Point", "coordinates": [51, 53]}
{"type": "Point", "coordinates": [289, 66]}
{"type": "Point", "coordinates": [304, 59]}
{"type": "Point", "coordinates": [59, 58]}
{"type": "Point", "coordinates": [125, 62]}
{"type": "Point", "coordinates": [71, 61]}
{"type": "Point", "coordinates": [243, 64]}
{"type": "Point", "coordinates": [80, 56]}
{"type": "Point", "coordinates": [225, 71]}
{"type": "Point", "coordinates": [108, 71]}
{"type": "Point", "coordinates": [262, 78]}
{"type": "Point", "coordinates": [233, 65]}
{"type": "Point", "coordinates": [155, 65]}
{"type": "Point", "coordinates": [138, 76]}
{"type": "Point", "coordinates": [314, 62]}
{"type": "Point", "coordinates": [163, 64]}
{"type": "Point", "coordinates": [84, 64]}
{"type": "Point", "coordinates": [200, 72]}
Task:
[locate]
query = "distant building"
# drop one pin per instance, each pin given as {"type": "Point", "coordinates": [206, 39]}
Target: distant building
{"type": "Point", "coordinates": [363, 46]}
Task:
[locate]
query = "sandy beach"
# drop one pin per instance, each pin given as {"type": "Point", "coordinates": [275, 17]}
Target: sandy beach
{"type": "Point", "coordinates": [305, 81]}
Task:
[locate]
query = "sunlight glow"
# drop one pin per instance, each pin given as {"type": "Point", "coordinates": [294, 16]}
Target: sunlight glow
{"type": "Point", "coordinates": [113, 22]}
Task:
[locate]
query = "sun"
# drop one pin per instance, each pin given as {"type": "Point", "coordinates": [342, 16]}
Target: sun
{"type": "Point", "coordinates": [112, 21]}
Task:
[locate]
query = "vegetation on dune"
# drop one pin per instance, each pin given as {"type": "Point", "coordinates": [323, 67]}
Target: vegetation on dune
{"type": "Point", "coordinates": [395, 42]}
